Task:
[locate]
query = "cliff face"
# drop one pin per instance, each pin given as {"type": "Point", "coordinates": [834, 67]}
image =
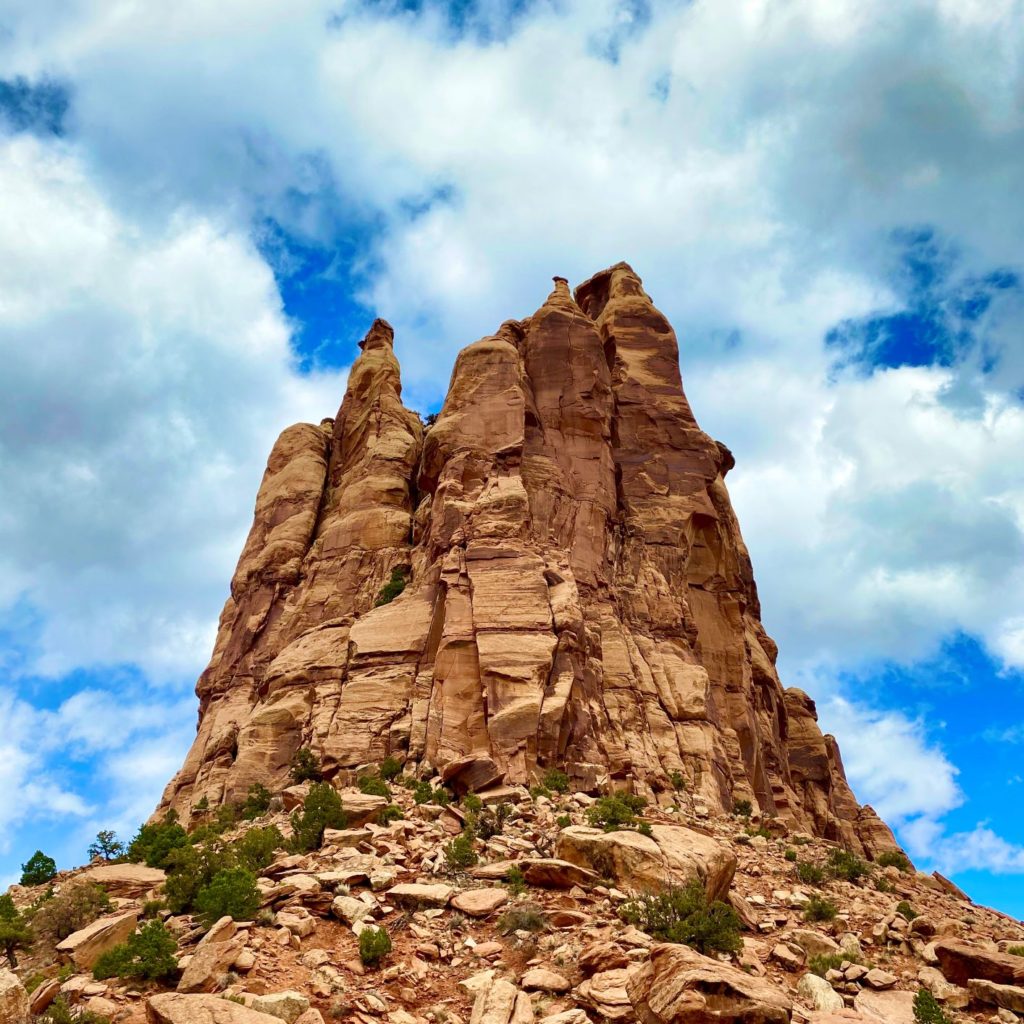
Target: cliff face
{"type": "Point", "coordinates": [579, 592]}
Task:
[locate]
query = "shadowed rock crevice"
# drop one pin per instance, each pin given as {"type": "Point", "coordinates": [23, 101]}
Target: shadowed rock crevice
{"type": "Point", "coordinates": [580, 595]}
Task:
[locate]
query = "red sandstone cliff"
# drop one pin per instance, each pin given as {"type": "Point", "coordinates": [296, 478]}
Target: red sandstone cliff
{"type": "Point", "coordinates": [580, 595]}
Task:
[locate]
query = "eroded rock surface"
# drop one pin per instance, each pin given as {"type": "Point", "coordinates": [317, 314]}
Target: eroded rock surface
{"type": "Point", "coordinates": [579, 594]}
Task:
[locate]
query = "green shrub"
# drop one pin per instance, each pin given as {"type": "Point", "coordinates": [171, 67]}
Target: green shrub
{"type": "Point", "coordinates": [423, 793]}
{"type": "Point", "coordinates": [76, 906]}
{"type": "Point", "coordinates": [153, 843]}
{"type": "Point", "coordinates": [819, 909]}
{"type": "Point", "coordinates": [106, 846]}
{"type": "Point", "coordinates": [394, 586]}
{"type": "Point", "coordinates": [678, 781]}
{"type": "Point", "coordinates": [563, 821]}
{"type": "Point", "coordinates": [927, 1009]}
{"type": "Point", "coordinates": [645, 829]}
{"type": "Point", "coordinates": [256, 848]}
{"type": "Point", "coordinates": [190, 869]}
{"type": "Point", "coordinates": [846, 865]}
{"type": "Point", "coordinates": [148, 955]}
{"type": "Point", "coordinates": [761, 831]}
{"type": "Point", "coordinates": [556, 781]}
{"type": "Point", "coordinates": [226, 817]}
{"type": "Point", "coordinates": [683, 914]}
{"type": "Point", "coordinates": [15, 933]}
{"type": "Point", "coordinates": [1015, 950]}
{"type": "Point", "coordinates": [151, 909]}
{"type": "Point", "coordinates": [905, 910]}
{"type": "Point", "coordinates": [526, 917]}
{"type": "Point", "coordinates": [231, 893]}
{"type": "Point", "coordinates": [616, 811]}
{"type": "Point", "coordinates": [893, 859]}
{"type": "Point", "coordinates": [809, 874]}
{"type": "Point", "coordinates": [390, 768]}
{"type": "Point", "coordinates": [38, 869]}
{"type": "Point", "coordinates": [537, 791]}
{"type": "Point", "coordinates": [374, 945]}
{"type": "Point", "coordinates": [373, 785]}
{"type": "Point", "coordinates": [742, 808]}
{"type": "Point", "coordinates": [203, 805]}
{"type": "Point", "coordinates": [490, 823]}
{"type": "Point", "coordinates": [884, 885]}
{"type": "Point", "coordinates": [825, 962]}
{"type": "Point", "coordinates": [459, 853]}
{"type": "Point", "coordinates": [60, 1011]}
{"type": "Point", "coordinates": [257, 802]}
{"type": "Point", "coordinates": [305, 766]}
{"type": "Point", "coordinates": [515, 880]}
{"type": "Point", "coordinates": [790, 855]}
{"type": "Point", "coordinates": [388, 814]}
{"type": "Point", "coordinates": [472, 803]}
{"type": "Point", "coordinates": [321, 810]}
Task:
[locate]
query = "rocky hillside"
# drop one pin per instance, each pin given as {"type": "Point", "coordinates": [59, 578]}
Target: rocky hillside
{"type": "Point", "coordinates": [573, 591]}
{"type": "Point", "coordinates": [524, 908]}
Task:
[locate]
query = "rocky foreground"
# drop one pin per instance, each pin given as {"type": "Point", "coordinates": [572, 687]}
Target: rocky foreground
{"type": "Point", "coordinates": [533, 930]}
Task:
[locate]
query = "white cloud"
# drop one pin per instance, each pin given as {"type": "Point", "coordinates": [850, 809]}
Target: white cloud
{"type": "Point", "coordinates": [146, 374]}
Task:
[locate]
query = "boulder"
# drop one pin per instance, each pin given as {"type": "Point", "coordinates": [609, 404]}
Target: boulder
{"type": "Point", "coordinates": [84, 947]}
{"type": "Point", "coordinates": [208, 965]}
{"type": "Point", "coordinates": [607, 993]}
{"type": "Point", "coordinates": [679, 986]}
{"type": "Point", "coordinates": [540, 979]}
{"type": "Point", "coordinates": [361, 807]}
{"type": "Point", "coordinates": [415, 895]}
{"type": "Point", "coordinates": [286, 1006]}
{"type": "Point", "coordinates": [544, 872]}
{"type": "Point", "coordinates": [471, 773]}
{"type": "Point", "coordinates": [480, 902]}
{"type": "Point", "coordinates": [960, 961]}
{"type": "Point", "coordinates": [819, 994]}
{"type": "Point", "coordinates": [14, 1001]}
{"type": "Point", "coordinates": [671, 855]}
{"type": "Point", "coordinates": [130, 881]}
{"type": "Point", "coordinates": [501, 1002]}
{"type": "Point", "coordinates": [1009, 997]}
{"type": "Point", "coordinates": [885, 1007]}
{"type": "Point", "coordinates": [176, 1008]}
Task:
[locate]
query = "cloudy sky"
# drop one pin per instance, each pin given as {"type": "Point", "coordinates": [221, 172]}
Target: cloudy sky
{"type": "Point", "coordinates": [202, 206]}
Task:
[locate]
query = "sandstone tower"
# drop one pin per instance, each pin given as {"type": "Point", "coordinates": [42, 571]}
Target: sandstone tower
{"type": "Point", "coordinates": [579, 594]}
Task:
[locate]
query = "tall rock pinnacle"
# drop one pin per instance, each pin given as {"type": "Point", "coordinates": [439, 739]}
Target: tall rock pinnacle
{"type": "Point", "coordinates": [579, 595]}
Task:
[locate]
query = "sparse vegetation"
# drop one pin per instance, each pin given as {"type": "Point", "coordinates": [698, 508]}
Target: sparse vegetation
{"type": "Point", "coordinates": [893, 859]}
{"type": "Point", "coordinates": [390, 768]}
{"type": "Point", "coordinates": [472, 803]}
{"type": "Point", "coordinates": [60, 1011]}
{"type": "Point", "coordinates": [374, 945]}
{"type": "Point", "coordinates": [15, 933]}
{"type": "Point", "coordinates": [321, 810]}
{"type": "Point", "coordinates": [74, 907]}
{"type": "Point", "coordinates": [563, 821]}
{"type": "Point", "coordinates": [683, 914]}
{"type": "Point", "coordinates": [515, 880]}
{"type": "Point", "coordinates": [388, 814]}
{"type": "Point", "coordinates": [424, 793]}
{"type": "Point", "coordinates": [1015, 950]}
{"type": "Point", "coordinates": [825, 962]}
{"type": "Point", "coordinates": [459, 853]}
{"type": "Point", "coordinates": [38, 869]}
{"type": "Point", "coordinates": [884, 885]}
{"type": "Point", "coordinates": [526, 917]}
{"type": "Point", "coordinates": [808, 873]}
{"type": "Point", "coordinates": [678, 781]}
{"type": "Point", "coordinates": [106, 846]}
{"type": "Point", "coordinates": [148, 955]}
{"type": "Point", "coordinates": [305, 766]}
{"type": "Point", "coordinates": [817, 908]}
{"type": "Point", "coordinates": [256, 848]}
{"type": "Point", "coordinates": [257, 802]}
{"type": "Point", "coordinates": [846, 865]}
{"type": "Point", "coordinates": [394, 586]}
{"type": "Point", "coordinates": [927, 1009]}
{"type": "Point", "coordinates": [615, 811]}
{"type": "Point", "coordinates": [905, 910]}
{"type": "Point", "coordinates": [742, 808]}
{"type": "Point", "coordinates": [556, 780]}
{"type": "Point", "coordinates": [373, 785]}
{"type": "Point", "coordinates": [790, 855]}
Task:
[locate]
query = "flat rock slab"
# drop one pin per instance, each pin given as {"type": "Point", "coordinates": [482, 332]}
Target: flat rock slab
{"type": "Point", "coordinates": [545, 872]}
{"type": "Point", "coordinates": [175, 1008]}
{"type": "Point", "coordinates": [415, 895]}
{"type": "Point", "coordinates": [960, 962]}
{"type": "Point", "coordinates": [1009, 997]}
{"type": "Point", "coordinates": [480, 902]}
{"type": "Point", "coordinates": [84, 947]}
{"type": "Point", "coordinates": [887, 1007]}
{"type": "Point", "coordinates": [127, 880]}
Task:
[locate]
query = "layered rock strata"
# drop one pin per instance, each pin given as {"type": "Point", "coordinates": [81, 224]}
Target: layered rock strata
{"type": "Point", "coordinates": [579, 594]}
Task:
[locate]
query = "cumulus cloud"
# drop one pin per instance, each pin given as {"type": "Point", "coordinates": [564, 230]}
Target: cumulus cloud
{"type": "Point", "coordinates": [146, 373]}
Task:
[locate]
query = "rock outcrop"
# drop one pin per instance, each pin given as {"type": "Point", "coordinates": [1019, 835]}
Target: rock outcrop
{"type": "Point", "coordinates": [578, 594]}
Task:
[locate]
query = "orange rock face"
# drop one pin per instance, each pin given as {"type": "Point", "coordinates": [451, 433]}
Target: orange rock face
{"type": "Point", "coordinates": [579, 595]}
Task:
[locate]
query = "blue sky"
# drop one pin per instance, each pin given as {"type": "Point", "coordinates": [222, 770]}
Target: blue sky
{"type": "Point", "coordinates": [205, 205]}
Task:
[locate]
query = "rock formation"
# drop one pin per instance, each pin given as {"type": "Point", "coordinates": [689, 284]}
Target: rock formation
{"type": "Point", "coordinates": [578, 592]}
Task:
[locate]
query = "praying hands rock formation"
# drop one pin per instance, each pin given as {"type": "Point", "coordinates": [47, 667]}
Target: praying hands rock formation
{"type": "Point", "coordinates": [578, 594]}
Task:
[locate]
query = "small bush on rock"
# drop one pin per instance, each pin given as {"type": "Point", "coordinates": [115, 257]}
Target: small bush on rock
{"type": "Point", "coordinates": [825, 962]}
{"type": "Point", "coordinates": [809, 874]}
{"type": "Point", "coordinates": [846, 865]}
{"type": "Point", "coordinates": [616, 811]}
{"type": "Point", "coordinates": [38, 869]}
{"type": "Point", "coordinates": [231, 893]}
{"type": "Point", "coordinates": [388, 814]}
{"type": "Point", "coordinates": [527, 917]}
{"type": "Point", "coordinates": [682, 914]}
{"type": "Point", "coordinates": [256, 848]}
{"type": "Point", "coordinates": [106, 846]}
{"type": "Point", "coordinates": [60, 1011]}
{"type": "Point", "coordinates": [257, 802]}
{"type": "Point", "coordinates": [393, 587]}
{"type": "Point", "coordinates": [373, 785]}
{"type": "Point", "coordinates": [459, 853]}
{"type": "Point", "coordinates": [374, 945]}
{"type": "Point", "coordinates": [742, 808]}
{"type": "Point", "coordinates": [305, 766]}
{"type": "Point", "coordinates": [148, 955]}
{"type": "Point", "coordinates": [75, 907]}
{"type": "Point", "coordinates": [819, 909]}
{"type": "Point", "coordinates": [153, 843]}
{"type": "Point", "coordinates": [556, 781]}
{"type": "Point", "coordinates": [15, 933]}
{"type": "Point", "coordinates": [905, 910]}
{"type": "Point", "coordinates": [678, 781]}
{"type": "Point", "coordinates": [390, 768]}
{"type": "Point", "coordinates": [515, 880]}
{"type": "Point", "coordinates": [893, 859]}
{"type": "Point", "coordinates": [927, 1009]}
{"type": "Point", "coordinates": [321, 810]}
